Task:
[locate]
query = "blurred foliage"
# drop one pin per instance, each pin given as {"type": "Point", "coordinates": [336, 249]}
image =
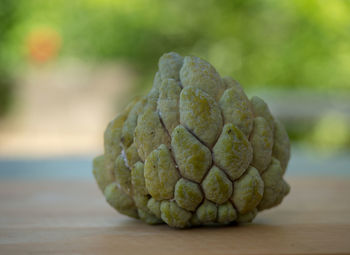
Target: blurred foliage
{"type": "Point", "coordinates": [276, 43]}
{"type": "Point", "coordinates": [6, 93]}
{"type": "Point", "coordinates": [331, 132]}
{"type": "Point", "coordinates": [7, 22]}
{"type": "Point", "coordinates": [270, 43]}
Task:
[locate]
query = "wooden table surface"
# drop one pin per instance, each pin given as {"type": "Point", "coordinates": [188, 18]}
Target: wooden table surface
{"type": "Point", "coordinates": [60, 217]}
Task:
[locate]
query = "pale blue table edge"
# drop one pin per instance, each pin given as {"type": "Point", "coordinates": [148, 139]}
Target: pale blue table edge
{"type": "Point", "coordinates": [80, 167]}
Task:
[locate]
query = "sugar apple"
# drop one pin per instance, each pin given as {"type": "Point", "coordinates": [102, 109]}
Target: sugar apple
{"type": "Point", "coordinates": [194, 151]}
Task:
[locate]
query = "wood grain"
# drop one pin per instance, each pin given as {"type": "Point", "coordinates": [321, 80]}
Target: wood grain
{"type": "Point", "coordinates": [59, 217]}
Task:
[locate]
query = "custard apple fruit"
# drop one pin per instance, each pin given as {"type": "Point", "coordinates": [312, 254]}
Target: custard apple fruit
{"type": "Point", "coordinates": [194, 151]}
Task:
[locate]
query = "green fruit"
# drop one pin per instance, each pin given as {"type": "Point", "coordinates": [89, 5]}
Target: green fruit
{"type": "Point", "coordinates": [194, 151]}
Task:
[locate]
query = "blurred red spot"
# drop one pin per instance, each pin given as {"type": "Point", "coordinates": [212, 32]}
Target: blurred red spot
{"type": "Point", "coordinates": [43, 44]}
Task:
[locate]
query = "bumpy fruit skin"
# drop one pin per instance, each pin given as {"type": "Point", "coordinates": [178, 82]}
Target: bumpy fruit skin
{"type": "Point", "coordinates": [194, 151]}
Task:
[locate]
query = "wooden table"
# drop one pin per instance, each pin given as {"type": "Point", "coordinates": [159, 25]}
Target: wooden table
{"type": "Point", "coordinates": [60, 217]}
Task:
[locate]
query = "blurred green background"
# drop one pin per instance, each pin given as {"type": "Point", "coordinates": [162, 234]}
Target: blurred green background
{"type": "Point", "coordinates": [296, 54]}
